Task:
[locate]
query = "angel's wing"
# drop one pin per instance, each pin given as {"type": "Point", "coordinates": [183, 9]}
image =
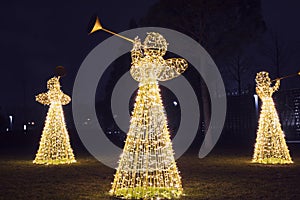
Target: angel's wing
{"type": "Point", "coordinates": [65, 99]}
{"type": "Point", "coordinates": [43, 98]}
{"type": "Point", "coordinates": [173, 68]}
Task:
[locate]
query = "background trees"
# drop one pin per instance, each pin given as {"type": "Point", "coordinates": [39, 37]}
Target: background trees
{"type": "Point", "coordinates": [222, 27]}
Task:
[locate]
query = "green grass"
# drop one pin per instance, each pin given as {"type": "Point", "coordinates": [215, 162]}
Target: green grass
{"type": "Point", "coordinates": [150, 192]}
{"type": "Point", "coordinates": [221, 175]}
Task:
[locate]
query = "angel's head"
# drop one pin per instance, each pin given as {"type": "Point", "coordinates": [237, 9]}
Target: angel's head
{"type": "Point", "coordinates": [155, 45]}
{"type": "Point", "coordinates": [262, 79]}
{"type": "Point", "coordinates": [53, 83]}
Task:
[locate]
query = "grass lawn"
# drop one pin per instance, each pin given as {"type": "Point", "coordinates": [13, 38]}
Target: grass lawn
{"type": "Point", "coordinates": [224, 174]}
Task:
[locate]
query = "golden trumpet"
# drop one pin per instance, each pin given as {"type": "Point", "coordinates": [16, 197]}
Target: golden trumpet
{"type": "Point", "coordinates": [97, 26]}
{"type": "Point", "coordinates": [292, 75]}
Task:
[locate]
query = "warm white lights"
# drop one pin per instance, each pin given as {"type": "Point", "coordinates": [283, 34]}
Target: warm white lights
{"type": "Point", "coordinates": [270, 147]}
{"type": "Point", "coordinates": [147, 168]}
{"type": "Point", "coordinates": [54, 146]}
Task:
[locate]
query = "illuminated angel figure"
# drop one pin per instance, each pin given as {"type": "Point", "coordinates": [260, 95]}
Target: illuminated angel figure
{"type": "Point", "coordinates": [147, 168]}
{"type": "Point", "coordinates": [270, 147]}
{"type": "Point", "coordinates": [54, 146]}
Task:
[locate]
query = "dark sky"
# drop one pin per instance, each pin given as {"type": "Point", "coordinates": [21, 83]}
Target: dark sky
{"type": "Point", "coordinates": [35, 37]}
{"type": "Point", "coordinates": [283, 17]}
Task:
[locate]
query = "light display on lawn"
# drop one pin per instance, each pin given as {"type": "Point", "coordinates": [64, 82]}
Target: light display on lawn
{"type": "Point", "coordinates": [54, 146]}
{"type": "Point", "coordinates": [147, 168]}
{"type": "Point", "coordinates": [270, 147]}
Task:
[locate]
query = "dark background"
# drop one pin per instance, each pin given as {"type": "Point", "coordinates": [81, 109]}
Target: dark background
{"type": "Point", "coordinates": [243, 37]}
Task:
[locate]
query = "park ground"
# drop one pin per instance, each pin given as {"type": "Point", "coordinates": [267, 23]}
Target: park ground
{"type": "Point", "coordinates": [226, 173]}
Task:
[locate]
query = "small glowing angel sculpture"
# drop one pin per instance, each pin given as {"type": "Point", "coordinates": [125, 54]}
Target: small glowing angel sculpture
{"type": "Point", "coordinates": [147, 168]}
{"type": "Point", "coordinates": [270, 147]}
{"type": "Point", "coordinates": [54, 146]}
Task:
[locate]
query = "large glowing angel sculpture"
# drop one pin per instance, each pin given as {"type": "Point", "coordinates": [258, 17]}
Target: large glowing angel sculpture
{"type": "Point", "coordinates": [54, 146]}
{"type": "Point", "coordinates": [270, 147]}
{"type": "Point", "coordinates": [147, 168]}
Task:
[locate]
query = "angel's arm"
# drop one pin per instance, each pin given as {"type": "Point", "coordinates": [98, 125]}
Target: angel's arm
{"type": "Point", "coordinates": [43, 98]}
{"type": "Point", "coordinates": [136, 72]}
{"type": "Point", "coordinates": [136, 52]}
{"type": "Point", "coordinates": [276, 86]}
{"type": "Point", "coordinates": [65, 99]}
{"type": "Point", "coordinates": [136, 56]}
{"type": "Point", "coordinates": [173, 68]}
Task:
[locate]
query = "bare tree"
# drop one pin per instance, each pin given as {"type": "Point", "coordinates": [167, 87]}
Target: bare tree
{"type": "Point", "coordinates": [221, 27]}
{"type": "Point", "coordinates": [278, 51]}
{"type": "Point", "coordinates": [238, 67]}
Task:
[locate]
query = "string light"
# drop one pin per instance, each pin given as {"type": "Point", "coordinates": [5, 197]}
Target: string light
{"type": "Point", "coordinates": [147, 168]}
{"type": "Point", "coordinates": [54, 146]}
{"type": "Point", "coordinates": [270, 147]}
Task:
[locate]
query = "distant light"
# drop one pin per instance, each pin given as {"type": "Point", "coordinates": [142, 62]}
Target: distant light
{"type": "Point", "coordinates": [256, 101]}
{"type": "Point", "coordinates": [10, 119]}
{"type": "Point", "coordinates": [256, 104]}
{"type": "Point", "coordinates": [175, 103]}
{"type": "Point", "coordinates": [7, 129]}
{"type": "Point", "coordinates": [24, 127]}
{"type": "Point", "coordinates": [32, 123]}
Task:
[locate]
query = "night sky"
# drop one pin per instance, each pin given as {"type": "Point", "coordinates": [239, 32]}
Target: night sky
{"type": "Point", "coordinates": [36, 36]}
{"type": "Point", "coordinates": [283, 17]}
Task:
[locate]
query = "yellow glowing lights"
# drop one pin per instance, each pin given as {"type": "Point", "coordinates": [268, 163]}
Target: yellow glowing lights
{"type": "Point", "coordinates": [147, 168]}
{"type": "Point", "coordinates": [270, 147]}
{"type": "Point", "coordinates": [54, 146]}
